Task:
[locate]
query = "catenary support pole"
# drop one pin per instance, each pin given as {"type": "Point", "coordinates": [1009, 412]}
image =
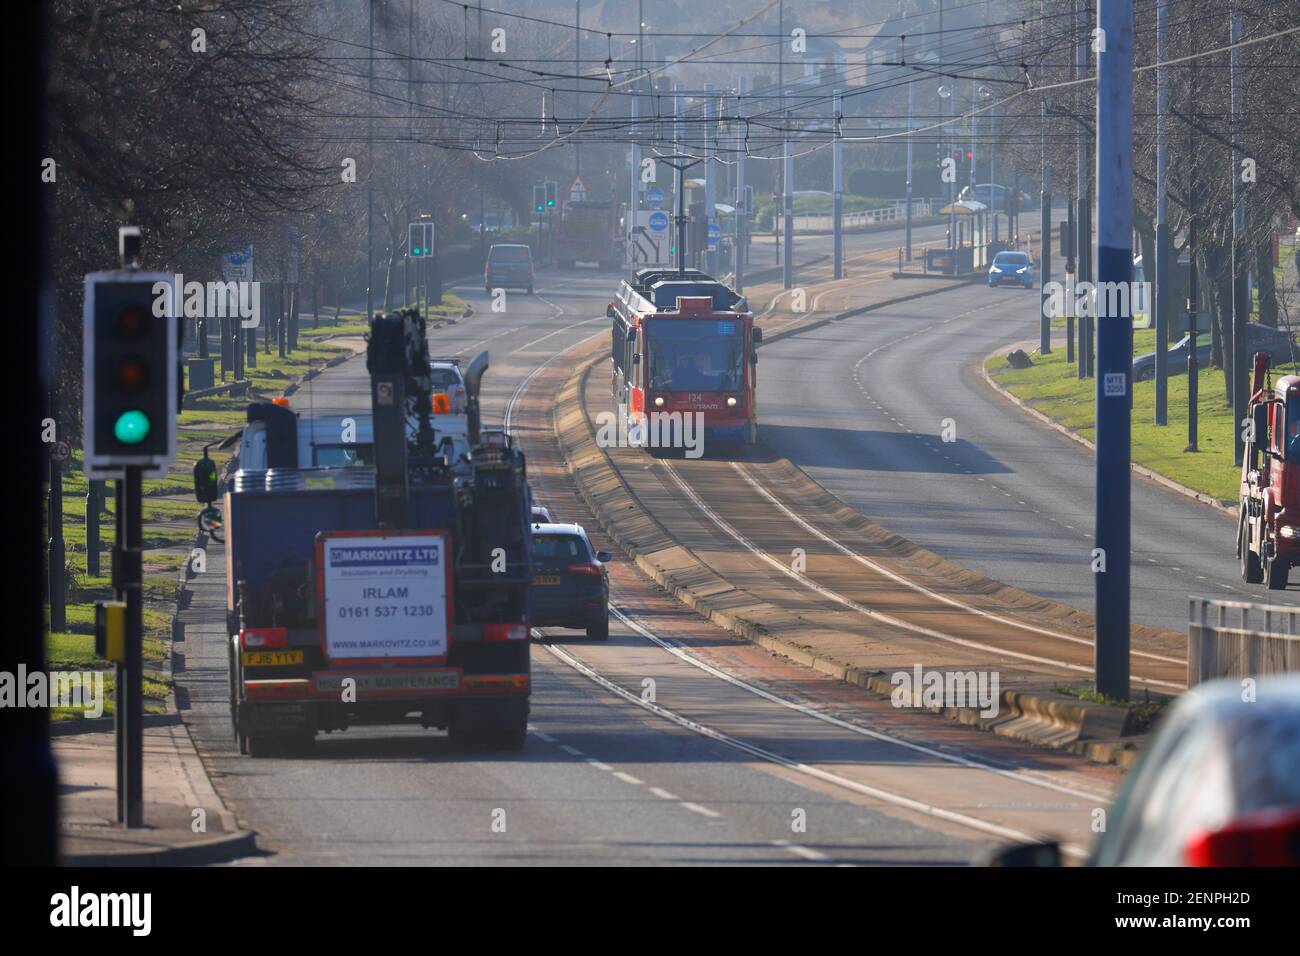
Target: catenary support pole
{"type": "Point", "coordinates": [1114, 346]}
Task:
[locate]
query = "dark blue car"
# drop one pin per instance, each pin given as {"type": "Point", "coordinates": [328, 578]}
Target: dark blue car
{"type": "Point", "coordinates": [570, 583]}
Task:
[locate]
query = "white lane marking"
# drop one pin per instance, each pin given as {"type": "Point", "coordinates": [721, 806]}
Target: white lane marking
{"type": "Point", "coordinates": [681, 653]}
{"type": "Point", "coordinates": [702, 811]}
{"type": "Point", "coordinates": [628, 778]}
{"type": "Point", "coordinates": [865, 611]}
{"type": "Point", "coordinates": [575, 325]}
{"type": "Point", "coordinates": [808, 853]}
{"type": "Point", "coordinates": [573, 751]}
{"type": "Point", "coordinates": [885, 796]}
{"type": "Point", "coordinates": [663, 794]}
{"type": "Point", "coordinates": [920, 588]}
{"type": "Point", "coordinates": [542, 736]}
{"type": "Point", "coordinates": [599, 764]}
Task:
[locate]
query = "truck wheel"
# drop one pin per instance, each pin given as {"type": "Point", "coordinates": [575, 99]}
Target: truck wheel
{"type": "Point", "coordinates": [1276, 573]}
{"type": "Point", "coordinates": [258, 746]}
{"type": "Point", "coordinates": [599, 630]}
{"type": "Point", "coordinates": [1252, 572]}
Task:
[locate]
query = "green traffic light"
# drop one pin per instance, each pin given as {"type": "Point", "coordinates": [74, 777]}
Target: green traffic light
{"type": "Point", "coordinates": [131, 427]}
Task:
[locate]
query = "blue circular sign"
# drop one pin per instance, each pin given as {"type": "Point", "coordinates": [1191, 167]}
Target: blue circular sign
{"type": "Point", "coordinates": [654, 196]}
{"type": "Point", "coordinates": [659, 221]}
{"type": "Point", "coordinates": [715, 234]}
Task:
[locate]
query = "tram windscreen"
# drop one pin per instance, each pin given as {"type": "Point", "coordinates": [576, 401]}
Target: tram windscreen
{"type": "Point", "coordinates": [696, 355]}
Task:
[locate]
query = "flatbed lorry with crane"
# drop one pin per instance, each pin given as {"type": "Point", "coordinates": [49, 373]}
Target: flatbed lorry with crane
{"type": "Point", "coordinates": [388, 586]}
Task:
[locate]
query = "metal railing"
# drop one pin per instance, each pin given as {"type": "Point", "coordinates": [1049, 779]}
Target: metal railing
{"type": "Point", "coordinates": [825, 222]}
{"type": "Point", "coordinates": [1240, 639]}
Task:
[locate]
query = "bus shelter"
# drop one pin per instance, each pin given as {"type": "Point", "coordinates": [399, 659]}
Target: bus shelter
{"type": "Point", "coordinates": [969, 250]}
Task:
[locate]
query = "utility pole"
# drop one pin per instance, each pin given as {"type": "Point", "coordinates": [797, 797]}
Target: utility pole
{"type": "Point", "coordinates": [1045, 229]}
{"type": "Point", "coordinates": [1114, 345]}
{"type": "Point", "coordinates": [634, 195]}
{"type": "Point", "coordinates": [1083, 239]}
{"type": "Point", "coordinates": [742, 210]}
{"type": "Point", "coordinates": [370, 168]}
{"type": "Point", "coordinates": [947, 154]}
{"type": "Point", "coordinates": [911, 101]}
{"type": "Point", "coordinates": [1164, 269]}
{"type": "Point", "coordinates": [1071, 256]}
{"type": "Point", "coordinates": [710, 256]}
{"type": "Point", "coordinates": [1240, 307]}
{"type": "Point", "coordinates": [787, 206]}
{"type": "Point", "coordinates": [577, 84]}
{"type": "Point", "coordinates": [1193, 278]}
{"type": "Point", "coordinates": [837, 185]}
{"type": "Point", "coordinates": [679, 188]}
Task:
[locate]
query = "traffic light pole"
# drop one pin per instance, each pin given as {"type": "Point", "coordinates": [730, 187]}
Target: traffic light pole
{"type": "Point", "coordinates": [56, 556]}
{"type": "Point", "coordinates": [128, 584]}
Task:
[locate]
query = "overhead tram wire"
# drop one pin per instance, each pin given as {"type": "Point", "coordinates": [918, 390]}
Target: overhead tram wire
{"type": "Point", "coordinates": [615, 126]}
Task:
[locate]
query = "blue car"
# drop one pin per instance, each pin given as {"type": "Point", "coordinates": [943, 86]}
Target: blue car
{"type": "Point", "coordinates": [570, 585]}
{"type": "Point", "coordinates": [1013, 267]}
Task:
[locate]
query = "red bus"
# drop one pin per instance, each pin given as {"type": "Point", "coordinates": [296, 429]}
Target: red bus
{"type": "Point", "coordinates": [684, 353]}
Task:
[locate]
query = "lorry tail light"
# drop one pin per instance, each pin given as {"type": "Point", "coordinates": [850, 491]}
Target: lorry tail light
{"type": "Point", "coordinates": [263, 637]}
{"type": "Point", "coordinates": [1267, 838]}
{"type": "Point", "coordinates": [505, 632]}
{"type": "Point", "coordinates": [590, 567]}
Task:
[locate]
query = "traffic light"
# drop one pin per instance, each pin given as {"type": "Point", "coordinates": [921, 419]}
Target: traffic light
{"type": "Point", "coordinates": [419, 239]}
{"type": "Point", "coordinates": [539, 198]}
{"type": "Point", "coordinates": [130, 373]}
{"type": "Point", "coordinates": [551, 190]}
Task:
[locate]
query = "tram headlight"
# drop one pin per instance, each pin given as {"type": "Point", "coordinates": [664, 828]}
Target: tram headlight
{"type": "Point", "coordinates": [659, 401]}
{"type": "Point", "coordinates": [731, 401]}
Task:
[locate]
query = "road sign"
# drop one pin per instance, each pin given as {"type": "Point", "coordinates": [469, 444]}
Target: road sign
{"type": "Point", "coordinates": [577, 190]}
{"type": "Point", "coordinates": [647, 245]}
{"type": "Point", "coordinates": [237, 266]}
{"type": "Point", "coordinates": [715, 235]}
{"type": "Point", "coordinates": [654, 197]}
